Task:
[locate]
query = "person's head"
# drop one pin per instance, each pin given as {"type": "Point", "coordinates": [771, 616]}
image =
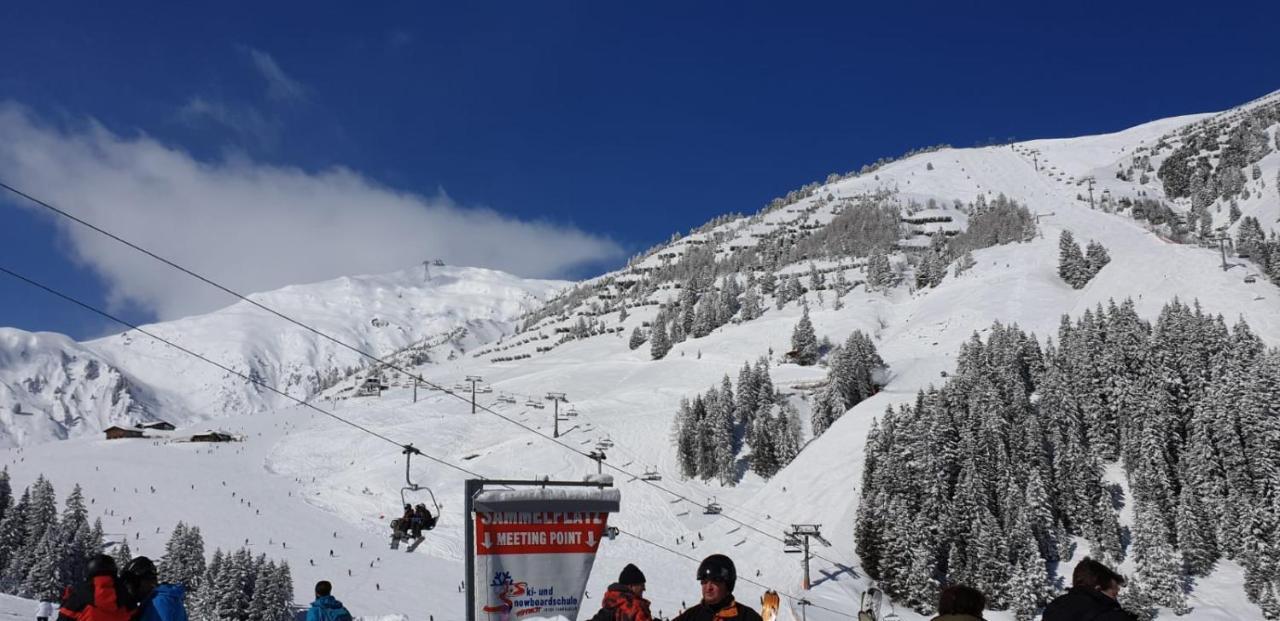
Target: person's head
{"type": "Point", "coordinates": [323, 588]}
{"type": "Point", "coordinates": [958, 599]}
{"type": "Point", "coordinates": [141, 574]}
{"type": "Point", "coordinates": [1091, 574]}
{"type": "Point", "coordinates": [717, 575]}
{"type": "Point", "coordinates": [101, 565]}
{"type": "Point", "coordinates": [632, 578]}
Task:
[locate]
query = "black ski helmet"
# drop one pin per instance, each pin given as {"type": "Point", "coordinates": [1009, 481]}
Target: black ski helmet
{"type": "Point", "coordinates": [720, 568]}
{"type": "Point", "coordinates": [102, 565]}
{"type": "Point", "coordinates": [140, 567]}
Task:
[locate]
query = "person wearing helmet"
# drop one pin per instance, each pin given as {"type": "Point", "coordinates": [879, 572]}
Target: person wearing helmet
{"type": "Point", "coordinates": [158, 601]}
{"type": "Point", "coordinates": [103, 597]}
{"type": "Point", "coordinates": [718, 576]}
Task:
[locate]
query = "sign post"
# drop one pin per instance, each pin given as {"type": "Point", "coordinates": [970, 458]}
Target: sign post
{"type": "Point", "coordinates": [530, 547]}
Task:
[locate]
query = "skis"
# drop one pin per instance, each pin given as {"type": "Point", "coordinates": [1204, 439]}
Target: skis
{"type": "Point", "coordinates": [414, 546]}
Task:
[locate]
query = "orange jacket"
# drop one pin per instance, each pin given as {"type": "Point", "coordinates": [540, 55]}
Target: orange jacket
{"type": "Point", "coordinates": [620, 604]}
{"type": "Point", "coordinates": [102, 598]}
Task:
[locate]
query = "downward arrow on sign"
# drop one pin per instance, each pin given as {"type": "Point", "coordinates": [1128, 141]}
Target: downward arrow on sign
{"type": "Point", "coordinates": [486, 543]}
{"type": "Point", "coordinates": [591, 539]}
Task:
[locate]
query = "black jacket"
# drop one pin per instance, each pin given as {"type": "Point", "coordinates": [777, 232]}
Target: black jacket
{"type": "Point", "coordinates": [728, 610]}
{"type": "Point", "coordinates": [1081, 604]}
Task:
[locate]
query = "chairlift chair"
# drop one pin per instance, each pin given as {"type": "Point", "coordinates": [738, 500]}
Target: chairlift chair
{"type": "Point", "coordinates": [712, 507]}
{"type": "Point", "coordinates": [651, 474]}
{"type": "Point", "coordinates": [399, 530]}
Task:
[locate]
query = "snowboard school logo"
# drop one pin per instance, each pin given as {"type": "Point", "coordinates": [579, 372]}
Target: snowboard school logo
{"type": "Point", "coordinates": [505, 588]}
{"type": "Point", "coordinates": [518, 599]}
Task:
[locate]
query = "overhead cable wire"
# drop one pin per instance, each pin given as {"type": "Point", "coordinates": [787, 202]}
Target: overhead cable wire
{"type": "Point", "coordinates": [362, 428]}
{"type": "Point", "coordinates": [386, 364]}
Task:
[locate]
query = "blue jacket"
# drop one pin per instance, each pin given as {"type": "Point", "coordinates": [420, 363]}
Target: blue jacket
{"type": "Point", "coordinates": [327, 608]}
{"type": "Point", "coordinates": [165, 604]}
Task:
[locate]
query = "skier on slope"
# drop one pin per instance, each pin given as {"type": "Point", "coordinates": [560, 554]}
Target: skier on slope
{"type": "Point", "coordinates": [158, 602]}
{"type": "Point", "coordinates": [327, 607]}
{"type": "Point", "coordinates": [623, 601]}
{"type": "Point", "coordinates": [718, 575]}
{"type": "Point", "coordinates": [103, 597]}
{"type": "Point", "coordinates": [1094, 588]}
{"type": "Point", "coordinates": [44, 610]}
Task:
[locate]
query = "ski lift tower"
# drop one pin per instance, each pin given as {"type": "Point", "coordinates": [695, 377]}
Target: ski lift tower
{"type": "Point", "coordinates": [474, 379]}
{"type": "Point", "coordinates": [598, 456]}
{"type": "Point", "coordinates": [556, 398]}
{"type": "Point", "coordinates": [796, 541]}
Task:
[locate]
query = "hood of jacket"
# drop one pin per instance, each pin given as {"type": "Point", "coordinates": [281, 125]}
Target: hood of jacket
{"type": "Point", "coordinates": [169, 591]}
{"type": "Point", "coordinates": [328, 601]}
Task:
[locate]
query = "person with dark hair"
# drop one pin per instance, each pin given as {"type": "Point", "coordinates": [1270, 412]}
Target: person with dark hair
{"type": "Point", "coordinates": [624, 600]}
{"type": "Point", "coordinates": [159, 602]}
{"type": "Point", "coordinates": [960, 603]}
{"type": "Point", "coordinates": [1094, 588]}
{"type": "Point", "coordinates": [103, 597]}
{"type": "Point", "coordinates": [718, 576]}
{"type": "Point", "coordinates": [327, 607]}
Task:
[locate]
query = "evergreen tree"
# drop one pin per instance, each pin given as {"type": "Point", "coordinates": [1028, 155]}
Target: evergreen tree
{"type": "Point", "coordinates": [829, 406]}
{"type": "Point", "coordinates": [751, 308]}
{"type": "Point", "coordinates": [804, 343]}
{"type": "Point", "coordinates": [659, 343]}
{"type": "Point", "coordinates": [637, 339]}
{"type": "Point", "coordinates": [6, 493]}
{"type": "Point", "coordinates": [13, 531]}
{"type": "Point", "coordinates": [1071, 262]}
{"type": "Point", "coordinates": [1096, 257]}
{"type": "Point", "coordinates": [879, 272]}
{"type": "Point", "coordinates": [123, 554]}
{"type": "Point", "coordinates": [44, 580]}
{"type": "Point", "coordinates": [687, 449]}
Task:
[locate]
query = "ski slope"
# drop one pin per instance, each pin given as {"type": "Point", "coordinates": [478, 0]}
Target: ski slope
{"type": "Point", "coordinates": [320, 485]}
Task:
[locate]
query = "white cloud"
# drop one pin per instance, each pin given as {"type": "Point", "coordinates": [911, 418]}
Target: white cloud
{"type": "Point", "coordinates": [280, 87]}
{"type": "Point", "coordinates": [253, 226]}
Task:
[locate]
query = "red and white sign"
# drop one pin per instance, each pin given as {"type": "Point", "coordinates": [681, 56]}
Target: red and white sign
{"type": "Point", "coordinates": [539, 533]}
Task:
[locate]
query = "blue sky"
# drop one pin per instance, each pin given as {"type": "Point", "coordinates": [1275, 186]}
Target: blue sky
{"type": "Point", "coordinates": [584, 131]}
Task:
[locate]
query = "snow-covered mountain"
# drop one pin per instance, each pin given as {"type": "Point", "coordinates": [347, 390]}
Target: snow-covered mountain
{"type": "Point", "coordinates": [54, 388]}
{"type": "Point", "coordinates": [325, 486]}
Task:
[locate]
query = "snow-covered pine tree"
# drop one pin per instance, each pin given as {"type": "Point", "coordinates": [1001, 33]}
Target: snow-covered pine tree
{"type": "Point", "coordinates": [172, 565]}
{"type": "Point", "coordinates": [1096, 257]}
{"type": "Point", "coordinates": [13, 531]}
{"type": "Point", "coordinates": [41, 515]}
{"type": "Point", "coordinates": [44, 580]}
{"type": "Point", "coordinates": [684, 429]}
{"type": "Point", "coordinates": [879, 273]}
{"type": "Point", "coordinates": [704, 320]}
{"type": "Point", "coordinates": [751, 305]}
{"type": "Point", "coordinates": [637, 339]}
{"type": "Point", "coordinates": [122, 553]}
{"type": "Point", "coordinates": [804, 342]}
{"type": "Point", "coordinates": [622, 314]}
{"type": "Point", "coordinates": [6, 493]}
{"type": "Point", "coordinates": [828, 407]}
{"type": "Point", "coordinates": [1071, 263]}
{"type": "Point", "coordinates": [263, 585]}
{"type": "Point", "coordinates": [719, 431]}
{"type": "Point", "coordinates": [659, 342]}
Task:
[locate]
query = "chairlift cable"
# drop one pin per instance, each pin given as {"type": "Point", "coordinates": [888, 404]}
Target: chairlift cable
{"type": "Point", "coordinates": [407, 449]}
{"type": "Point", "coordinates": [340, 343]}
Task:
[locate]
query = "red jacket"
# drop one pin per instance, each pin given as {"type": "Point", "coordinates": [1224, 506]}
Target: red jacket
{"type": "Point", "coordinates": [102, 598]}
{"type": "Point", "coordinates": [620, 604]}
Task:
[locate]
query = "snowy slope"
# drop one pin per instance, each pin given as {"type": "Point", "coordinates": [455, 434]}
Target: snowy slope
{"type": "Point", "coordinates": [63, 388]}
{"type": "Point", "coordinates": [321, 485]}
